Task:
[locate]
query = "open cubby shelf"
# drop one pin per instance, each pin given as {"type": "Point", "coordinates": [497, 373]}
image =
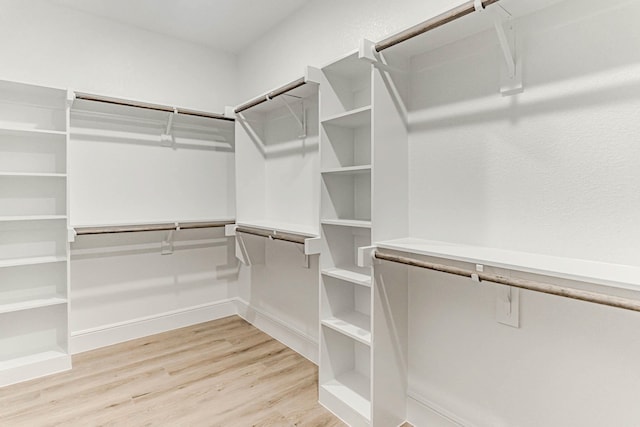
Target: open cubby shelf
{"type": "Point", "coordinates": [348, 276]}
{"type": "Point", "coordinates": [34, 251]}
{"type": "Point", "coordinates": [345, 294]}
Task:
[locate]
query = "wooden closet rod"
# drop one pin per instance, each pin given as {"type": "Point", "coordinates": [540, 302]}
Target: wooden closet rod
{"type": "Point", "coordinates": [435, 22]}
{"type": "Point", "coordinates": [151, 227]}
{"type": "Point", "coordinates": [147, 106]}
{"type": "Point", "coordinates": [287, 237]}
{"type": "Point", "coordinates": [531, 285]}
{"type": "Point", "coordinates": [277, 92]}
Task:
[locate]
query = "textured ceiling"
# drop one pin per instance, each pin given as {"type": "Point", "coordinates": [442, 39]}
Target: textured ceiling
{"type": "Point", "coordinates": [229, 25]}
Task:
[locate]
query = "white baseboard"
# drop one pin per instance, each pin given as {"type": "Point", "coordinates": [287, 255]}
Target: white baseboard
{"type": "Point", "coordinates": [295, 339]}
{"type": "Point", "coordinates": [90, 339]}
{"type": "Point", "coordinates": [422, 412]}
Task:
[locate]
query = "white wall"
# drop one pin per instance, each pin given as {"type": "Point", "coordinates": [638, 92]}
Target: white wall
{"type": "Point", "coordinates": [47, 44]}
{"type": "Point", "coordinates": [121, 287]}
{"type": "Point", "coordinates": [553, 171]}
{"type": "Point", "coordinates": [281, 296]}
{"type": "Point", "coordinates": [321, 32]}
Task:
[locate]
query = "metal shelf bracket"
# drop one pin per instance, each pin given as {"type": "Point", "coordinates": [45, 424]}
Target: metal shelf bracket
{"type": "Point", "coordinates": [511, 72]}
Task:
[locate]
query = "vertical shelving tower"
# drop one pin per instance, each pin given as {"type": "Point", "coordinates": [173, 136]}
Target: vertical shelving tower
{"type": "Point", "coordinates": [34, 248]}
{"type": "Point", "coordinates": [345, 291]}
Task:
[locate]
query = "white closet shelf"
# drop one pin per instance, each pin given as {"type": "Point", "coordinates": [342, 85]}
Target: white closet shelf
{"type": "Point", "coordinates": [31, 261]}
{"type": "Point", "coordinates": [349, 66]}
{"type": "Point", "coordinates": [351, 388]}
{"type": "Point", "coordinates": [43, 356]}
{"type": "Point", "coordinates": [32, 303]}
{"type": "Point", "coordinates": [600, 273]}
{"type": "Point", "coordinates": [31, 218]}
{"type": "Point", "coordinates": [283, 227]}
{"type": "Point", "coordinates": [350, 119]}
{"type": "Point", "coordinates": [348, 222]}
{"type": "Point", "coordinates": [348, 276]}
{"type": "Point", "coordinates": [348, 170]}
{"type": "Point", "coordinates": [33, 174]}
{"type": "Point", "coordinates": [354, 325]}
{"type": "Point", "coordinates": [15, 130]}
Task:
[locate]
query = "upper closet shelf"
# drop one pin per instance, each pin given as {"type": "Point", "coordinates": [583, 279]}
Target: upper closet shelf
{"type": "Point", "coordinates": [281, 227]}
{"type": "Point", "coordinates": [350, 119]}
{"type": "Point", "coordinates": [88, 102]}
{"type": "Point", "coordinates": [156, 226]}
{"type": "Point", "coordinates": [299, 88]}
{"type": "Point", "coordinates": [613, 275]}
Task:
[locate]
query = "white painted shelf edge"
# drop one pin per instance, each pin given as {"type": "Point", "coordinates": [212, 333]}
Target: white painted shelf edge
{"type": "Point", "coordinates": [33, 174]}
{"type": "Point", "coordinates": [348, 276]}
{"type": "Point", "coordinates": [352, 118]}
{"type": "Point", "coordinates": [600, 273]}
{"type": "Point", "coordinates": [43, 356]}
{"type": "Point", "coordinates": [14, 129]}
{"type": "Point", "coordinates": [32, 261]}
{"type": "Point", "coordinates": [300, 229]}
{"type": "Point", "coordinates": [154, 221]}
{"type": "Point", "coordinates": [33, 303]}
{"type": "Point", "coordinates": [351, 388]}
{"type": "Point", "coordinates": [347, 223]}
{"type": "Point", "coordinates": [348, 170]}
{"type": "Point", "coordinates": [354, 325]}
{"type": "Point", "coordinates": [31, 218]}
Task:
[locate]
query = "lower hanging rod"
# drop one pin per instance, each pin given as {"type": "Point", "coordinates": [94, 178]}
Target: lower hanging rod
{"type": "Point", "coordinates": [530, 285]}
{"type": "Point", "coordinates": [113, 229]}
{"type": "Point", "coordinates": [148, 106]}
{"type": "Point", "coordinates": [287, 237]}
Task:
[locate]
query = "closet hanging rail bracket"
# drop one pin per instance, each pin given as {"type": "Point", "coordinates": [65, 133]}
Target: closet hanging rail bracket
{"type": "Point", "coordinates": [166, 247]}
{"type": "Point", "coordinates": [511, 71]}
{"type": "Point", "coordinates": [166, 139]}
{"type": "Point", "coordinates": [301, 122]}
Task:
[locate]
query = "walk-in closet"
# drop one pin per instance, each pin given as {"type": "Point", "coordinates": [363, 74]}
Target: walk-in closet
{"type": "Point", "coordinates": [319, 213]}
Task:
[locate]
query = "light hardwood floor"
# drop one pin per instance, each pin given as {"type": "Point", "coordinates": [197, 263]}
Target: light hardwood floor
{"type": "Point", "coordinates": [220, 373]}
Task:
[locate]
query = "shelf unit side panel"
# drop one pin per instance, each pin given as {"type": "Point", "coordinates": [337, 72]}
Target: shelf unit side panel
{"type": "Point", "coordinates": [389, 372]}
{"type": "Point", "coordinates": [390, 174]}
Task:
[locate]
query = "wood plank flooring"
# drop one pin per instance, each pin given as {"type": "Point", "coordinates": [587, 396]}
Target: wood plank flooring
{"type": "Point", "coordinates": [220, 373]}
